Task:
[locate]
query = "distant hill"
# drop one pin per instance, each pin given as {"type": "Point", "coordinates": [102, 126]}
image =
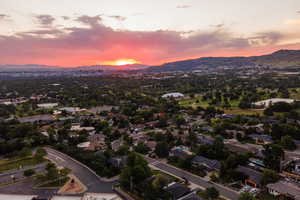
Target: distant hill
{"type": "Point", "coordinates": [47, 68]}
{"type": "Point", "coordinates": [281, 58]}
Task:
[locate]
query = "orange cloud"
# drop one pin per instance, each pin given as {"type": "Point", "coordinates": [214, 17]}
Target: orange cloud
{"type": "Point", "coordinates": [97, 43]}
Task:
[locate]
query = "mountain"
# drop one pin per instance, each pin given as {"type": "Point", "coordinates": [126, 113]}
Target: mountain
{"type": "Point", "coordinates": [281, 58]}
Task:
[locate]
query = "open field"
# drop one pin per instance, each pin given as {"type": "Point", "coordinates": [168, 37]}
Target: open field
{"type": "Point", "coordinates": [244, 112]}
{"type": "Point", "coordinates": [195, 102]}
{"type": "Point", "coordinates": [55, 183]}
{"type": "Point", "coordinates": [17, 163]}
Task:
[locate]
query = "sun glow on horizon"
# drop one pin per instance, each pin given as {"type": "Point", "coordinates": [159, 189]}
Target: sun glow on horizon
{"type": "Point", "coordinates": [121, 62]}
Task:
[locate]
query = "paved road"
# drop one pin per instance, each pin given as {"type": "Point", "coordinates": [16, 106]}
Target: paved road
{"type": "Point", "coordinates": [19, 174]}
{"type": "Point", "coordinates": [26, 188]}
{"type": "Point", "coordinates": [89, 179]}
{"type": "Point", "coordinates": [226, 192]}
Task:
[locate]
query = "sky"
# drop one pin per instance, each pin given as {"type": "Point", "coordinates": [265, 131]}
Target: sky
{"type": "Point", "coordinates": [152, 32]}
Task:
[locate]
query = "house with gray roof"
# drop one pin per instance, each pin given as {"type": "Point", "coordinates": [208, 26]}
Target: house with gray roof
{"type": "Point", "coordinates": [177, 190]}
{"type": "Point", "coordinates": [199, 161]}
{"type": "Point", "coordinates": [261, 139]}
{"type": "Point", "coordinates": [254, 177]}
{"type": "Point", "coordinates": [284, 190]}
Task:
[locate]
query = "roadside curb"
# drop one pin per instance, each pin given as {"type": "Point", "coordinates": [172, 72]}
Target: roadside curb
{"type": "Point", "coordinates": [81, 164]}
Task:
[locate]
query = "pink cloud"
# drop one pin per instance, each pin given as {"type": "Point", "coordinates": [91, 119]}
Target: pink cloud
{"type": "Point", "coordinates": [97, 43]}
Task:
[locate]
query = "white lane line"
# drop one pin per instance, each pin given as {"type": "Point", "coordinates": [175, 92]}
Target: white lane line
{"type": "Point", "coordinates": [56, 157]}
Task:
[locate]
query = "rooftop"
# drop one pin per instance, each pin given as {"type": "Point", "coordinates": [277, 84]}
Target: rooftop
{"type": "Point", "coordinates": [286, 188]}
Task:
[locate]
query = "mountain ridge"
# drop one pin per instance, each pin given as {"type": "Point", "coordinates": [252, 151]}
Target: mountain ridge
{"type": "Point", "coordinates": [280, 58]}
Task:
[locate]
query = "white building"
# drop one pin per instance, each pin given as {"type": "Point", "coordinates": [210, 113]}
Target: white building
{"type": "Point", "coordinates": [266, 103]}
{"type": "Point", "coordinates": [79, 128]}
{"type": "Point", "coordinates": [47, 105]}
{"type": "Point", "coordinates": [16, 197]}
{"type": "Point", "coordinates": [101, 196]}
{"type": "Point", "coordinates": [84, 145]}
{"type": "Point", "coordinates": [173, 95]}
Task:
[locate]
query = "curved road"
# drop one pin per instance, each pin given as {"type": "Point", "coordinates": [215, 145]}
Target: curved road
{"type": "Point", "coordinates": [224, 191]}
{"type": "Point", "coordinates": [85, 175]}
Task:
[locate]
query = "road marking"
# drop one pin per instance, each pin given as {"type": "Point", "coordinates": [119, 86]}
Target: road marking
{"type": "Point", "coordinates": [57, 157]}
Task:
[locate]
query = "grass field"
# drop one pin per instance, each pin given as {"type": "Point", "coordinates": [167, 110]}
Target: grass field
{"type": "Point", "coordinates": [295, 94]}
{"type": "Point", "coordinates": [168, 176]}
{"type": "Point", "coordinates": [56, 183]}
{"type": "Point", "coordinates": [195, 102]}
{"type": "Point", "coordinates": [16, 163]}
{"type": "Point", "coordinates": [244, 112]}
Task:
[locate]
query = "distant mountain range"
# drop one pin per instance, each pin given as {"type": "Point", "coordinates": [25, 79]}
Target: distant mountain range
{"type": "Point", "coordinates": [281, 58]}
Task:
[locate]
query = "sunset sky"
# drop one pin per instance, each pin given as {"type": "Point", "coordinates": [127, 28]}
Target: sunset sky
{"type": "Point", "coordinates": [89, 32]}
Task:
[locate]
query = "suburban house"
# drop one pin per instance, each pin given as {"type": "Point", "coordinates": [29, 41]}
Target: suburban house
{"type": "Point", "coordinates": [77, 127]}
{"type": "Point", "coordinates": [70, 110]}
{"type": "Point", "coordinates": [200, 161]}
{"type": "Point", "coordinates": [47, 105]}
{"type": "Point", "coordinates": [261, 139]}
{"type": "Point", "coordinates": [181, 152]}
{"type": "Point", "coordinates": [177, 190]}
{"type": "Point", "coordinates": [240, 148]}
{"type": "Point", "coordinates": [118, 162]}
{"type": "Point", "coordinates": [205, 140]}
{"type": "Point", "coordinates": [97, 141]}
{"type": "Point", "coordinates": [285, 190]}
{"type": "Point", "coordinates": [254, 177]}
{"type": "Point", "coordinates": [84, 145]}
{"type": "Point", "coordinates": [116, 144]}
{"type": "Point", "coordinates": [151, 145]}
{"type": "Point", "coordinates": [191, 196]}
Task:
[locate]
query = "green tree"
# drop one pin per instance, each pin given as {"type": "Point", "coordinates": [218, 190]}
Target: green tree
{"type": "Point", "coordinates": [52, 171]}
{"type": "Point", "coordinates": [141, 148]}
{"type": "Point", "coordinates": [40, 153]}
{"type": "Point", "coordinates": [211, 193]}
{"type": "Point", "coordinates": [288, 143]}
{"type": "Point", "coordinates": [246, 196]}
{"type": "Point", "coordinates": [273, 154]}
{"type": "Point", "coordinates": [136, 172]}
{"type": "Point", "coordinates": [29, 172]}
{"type": "Point", "coordinates": [269, 176]}
{"type": "Point", "coordinates": [162, 150]}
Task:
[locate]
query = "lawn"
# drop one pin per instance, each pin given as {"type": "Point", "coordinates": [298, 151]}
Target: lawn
{"type": "Point", "coordinates": [168, 176]}
{"type": "Point", "coordinates": [193, 102]}
{"type": "Point", "coordinates": [295, 94]}
{"type": "Point", "coordinates": [56, 183]}
{"type": "Point", "coordinates": [200, 193]}
{"type": "Point", "coordinates": [234, 106]}
{"type": "Point", "coordinates": [244, 111]}
{"type": "Point", "coordinates": [16, 163]}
